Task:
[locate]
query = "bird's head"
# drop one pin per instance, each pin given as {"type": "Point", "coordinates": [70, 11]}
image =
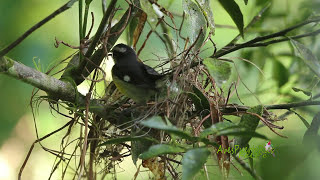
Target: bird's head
{"type": "Point", "coordinates": [122, 52]}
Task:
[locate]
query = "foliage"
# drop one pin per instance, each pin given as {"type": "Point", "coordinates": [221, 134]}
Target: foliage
{"type": "Point", "coordinates": [178, 136]}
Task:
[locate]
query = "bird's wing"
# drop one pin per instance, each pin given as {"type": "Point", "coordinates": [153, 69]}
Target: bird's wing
{"type": "Point", "coordinates": [131, 75]}
{"type": "Point", "coordinates": [151, 73]}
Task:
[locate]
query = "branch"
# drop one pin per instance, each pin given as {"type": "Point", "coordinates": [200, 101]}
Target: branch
{"type": "Point", "coordinates": [97, 57]}
{"type": "Point", "coordinates": [60, 89]}
{"type": "Point", "coordinates": [35, 27]}
{"type": "Point", "coordinates": [51, 85]}
{"type": "Point", "coordinates": [257, 40]}
{"type": "Point", "coordinates": [235, 108]}
{"type": "Point", "coordinates": [251, 23]}
{"type": "Point", "coordinates": [314, 33]}
{"type": "Point", "coordinates": [293, 105]}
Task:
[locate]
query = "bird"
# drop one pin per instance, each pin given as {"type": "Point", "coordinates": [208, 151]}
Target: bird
{"type": "Point", "coordinates": [133, 78]}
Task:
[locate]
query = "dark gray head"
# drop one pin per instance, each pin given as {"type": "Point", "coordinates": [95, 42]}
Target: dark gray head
{"type": "Point", "coordinates": [122, 52]}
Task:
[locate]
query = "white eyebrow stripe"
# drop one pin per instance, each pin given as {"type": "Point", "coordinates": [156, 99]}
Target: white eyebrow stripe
{"type": "Point", "coordinates": [120, 49]}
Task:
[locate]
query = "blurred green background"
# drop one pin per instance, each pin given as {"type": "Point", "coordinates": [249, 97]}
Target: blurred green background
{"type": "Point", "coordinates": [17, 131]}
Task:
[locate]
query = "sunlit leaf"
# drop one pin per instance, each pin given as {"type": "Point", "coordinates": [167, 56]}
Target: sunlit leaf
{"type": "Point", "coordinates": [160, 149]}
{"type": "Point", "coordinates": [280, 73]}
{"type": "Point", "coordinates": [152, 17]}
{"type": "Point", "coordinates": [235, 13]}
{"type": "Point", "coordinates": [219, 70]}
{"type": "Point", "coordinates": [197, 23]}
{"type": "Point", "coordinates": [204, 5]}
{"type": "Point", "coordinates": [192, 162]}
{"type": "Point", "coordinates": [307, 56]}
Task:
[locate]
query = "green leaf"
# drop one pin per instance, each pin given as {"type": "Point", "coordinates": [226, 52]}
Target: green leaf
{"type": "Point", "coordinates": [219, 70]}
{"type": "Point", "coordinates": [156, 122]}
{"type": "Point", "coordinates": [71, 2]}
{"type": "Point", "coordinates": [250, 123]}
{"type": "Point", "coordinates": [305, 122]}
{"type": "Point", "coordinates": [198, 99]}
{"type": "Point", "coordinates": [126, 139]}
{"type": "Point", "coordinates": [160, 149]}
{"type": "Point", "coordinates": [216, 128]}
{"type": "Point", "coordinates": [235, 13]}
{"type": "Point", "coordinates": [280, 73]}
{"type": "Point", "coordinates": [249, 155]}
{"type": "Point", "coordinates": [240, 132]}
{"type": "Point", "coordinates": [37, 66]}
{"type": "Point", "coordinates": [192, 162]}
{"type": "Point", "coordinates": [311, 135]}
{"type": "Point", "coordinates": [246, 2]}
{"type": "Point", "coordinates": [204, 6]}
{"type": "Point", "coordinates": [229, 129]}
{"type": "Point", "coordinates": [306, 92]}
{"type": "Point", "coordinates": [196, 21]}
{"type": "Point", "coordinates": [201, 104]}
{"type": "Point", "coordinates": [88, 1]}
{"type": "Point", "coordinates": [131, 29]}
{"type": "Point", "coordinates": [137, 148]}
{"type": "Point", "coordinates": [204, 101]}
{"type": "Point", "coordinates": [307, 56]}
{"type": "Point", "coordinates": [152, 17]}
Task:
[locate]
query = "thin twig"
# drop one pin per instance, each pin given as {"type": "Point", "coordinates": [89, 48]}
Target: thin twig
{"type": "Point", "coordinates": [100, 29]}
{"type": "Point", "coordinates": [85, 141]}
{"type": "Point", "coordinates": [38, 140]}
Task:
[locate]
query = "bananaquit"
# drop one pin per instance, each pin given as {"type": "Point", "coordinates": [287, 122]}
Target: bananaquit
{"type": "Point", "coordinates": [133, 78]}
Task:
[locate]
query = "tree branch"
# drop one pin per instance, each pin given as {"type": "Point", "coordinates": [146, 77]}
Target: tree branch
{"type": "Point", "coordinates": [235, 108]}
{"type": "Point", "coordinates": [227, 49]}
{"type": "Point", "coordinates": [293, 105]}
{"type": "Point", "coordinates": [64, 90]}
